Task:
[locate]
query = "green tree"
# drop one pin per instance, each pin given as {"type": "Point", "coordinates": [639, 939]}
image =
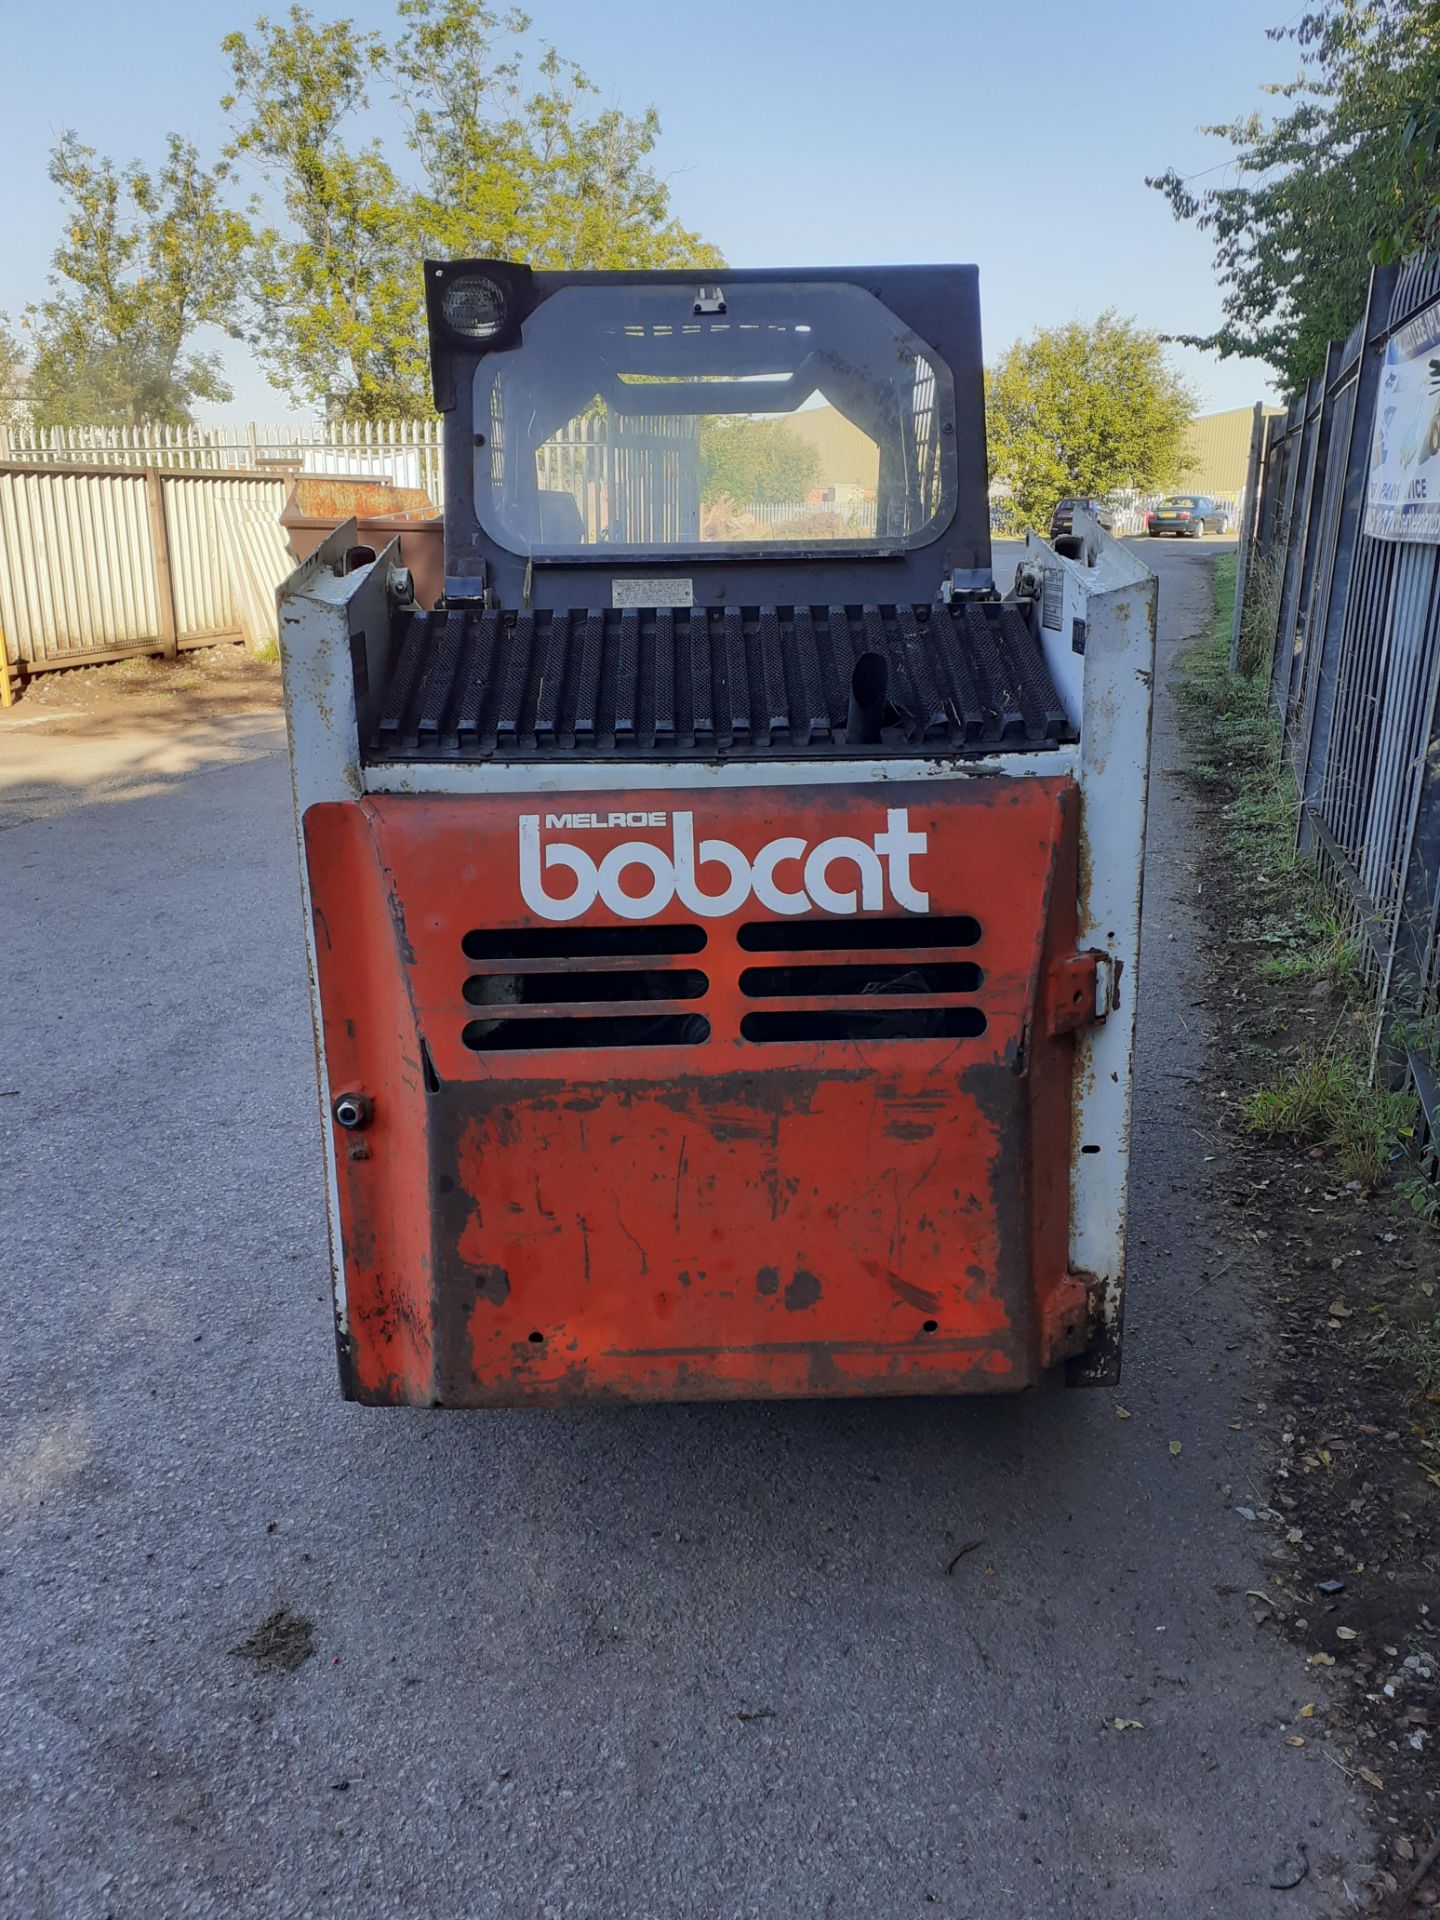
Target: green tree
{"type": "Point", "coordinates": [512, 164]}
{"type": "Point", "coordinates": [14, 380]}
{"type": "Point", "coordinates": [335, 310]}
{"type": "Point", "coordinates": [1347, 172]}
{"type": "Point", "coordinates": [145, 259]}
{"type": "Point", "coordinates": [754, 460]}
{"type": "Point", "coordinates": [1080, 409]}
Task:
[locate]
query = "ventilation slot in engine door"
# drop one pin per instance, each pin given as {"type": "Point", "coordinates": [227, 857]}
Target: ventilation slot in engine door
{"type": "Point", "coordinates": [863, 980]}
{"type": "Point", "coordinates": [859, 935]}
{"type": "Point", "coordinates": [543, 989]}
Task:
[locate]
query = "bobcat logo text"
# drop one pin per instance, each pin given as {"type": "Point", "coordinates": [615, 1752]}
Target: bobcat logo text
{"type": "Point", "coordinates": [639, 878]}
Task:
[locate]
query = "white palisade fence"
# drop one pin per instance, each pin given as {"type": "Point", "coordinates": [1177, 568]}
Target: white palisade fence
{"type": "Point", "coordinates": [97, 562]}
{"type": "Point", "coordinates": [119, 540]}
{"type": "Point", "coordinates": [407, 453]}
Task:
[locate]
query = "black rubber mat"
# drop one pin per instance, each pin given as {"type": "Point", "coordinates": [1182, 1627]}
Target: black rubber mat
{"type": "Point", "coordinates": [701, 684]}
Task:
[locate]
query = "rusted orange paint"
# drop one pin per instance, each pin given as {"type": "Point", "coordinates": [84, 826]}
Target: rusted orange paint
{"type": "Point", "coordinates": [722, 1220]}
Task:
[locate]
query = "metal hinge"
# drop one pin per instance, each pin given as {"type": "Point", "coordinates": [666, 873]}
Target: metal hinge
{"type": "Point", "coordinates": [1084, 989]}
{"type": "Point", "coordinates": [468, 587]}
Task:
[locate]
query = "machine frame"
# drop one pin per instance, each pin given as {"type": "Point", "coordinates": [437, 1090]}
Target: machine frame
{"type": "Point", "coordinates": [436, 1314]}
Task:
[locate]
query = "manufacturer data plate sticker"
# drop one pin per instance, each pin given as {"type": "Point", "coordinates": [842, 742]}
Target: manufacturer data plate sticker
{"type": "Point", "coordinates": [652, 593]}
{"type": "Point", "coordinates": [1052, 603]}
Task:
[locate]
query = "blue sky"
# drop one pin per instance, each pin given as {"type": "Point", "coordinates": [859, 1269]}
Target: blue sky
{"type": "Point", "coordinates": [1014, 136]}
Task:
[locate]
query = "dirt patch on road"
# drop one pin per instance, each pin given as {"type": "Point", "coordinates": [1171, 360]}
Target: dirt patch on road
{"type": "Point", "coordinates": [205, 683]}
{"type": "Point", "coordinates": [282, 1642]}
{"type": "Point", "coordinates": [1337, 1229]}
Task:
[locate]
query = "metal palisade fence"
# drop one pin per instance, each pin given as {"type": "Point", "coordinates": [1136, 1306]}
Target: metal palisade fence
{"type": "Point", "coordinates": [407, 453]}
{"type": "Point", "coordinates": [1340, 596]}
{"type": "Point", "coordinates": [119, 540]}
{"type": "Point", "coordinates": [97, 562]}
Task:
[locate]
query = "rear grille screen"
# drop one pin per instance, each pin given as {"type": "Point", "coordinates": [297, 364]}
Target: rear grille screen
{"type": "Point", "coordinates": [863, 980]}
{"type": "Point", "coordinates": [545, 989]}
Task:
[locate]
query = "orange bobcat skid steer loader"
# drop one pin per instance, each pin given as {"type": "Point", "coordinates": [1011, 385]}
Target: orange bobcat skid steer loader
{"type": "Point", "coordinates": [723, 905]}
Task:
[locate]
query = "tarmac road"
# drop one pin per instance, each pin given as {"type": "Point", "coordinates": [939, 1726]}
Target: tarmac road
{"type": "Point", "coordinates": [651, 1664]}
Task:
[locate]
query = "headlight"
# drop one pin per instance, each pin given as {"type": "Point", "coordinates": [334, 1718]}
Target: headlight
{"type": "Point", "coordinates": [474, 306]}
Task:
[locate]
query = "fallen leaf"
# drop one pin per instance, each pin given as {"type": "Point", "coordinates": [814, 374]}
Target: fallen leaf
{"type": "Point", "coordinates": [1338, 1310]}
{"type": "Point", "coordinates": [1322, 1660]}
{"type": "Point", "coordinates": [1307, 1712]}
{"type": "Point", "coordinates": [1295, 1536]}
{"type": "Point", "coordinates": [1293, 1740]}
{"type": "Point", "coordinates": [1122, 1413]}
{"type": "Point", "coordinates": [1128, 1726]}
{"type": "Point", "coordinates": [1371, 1779]}
{"type": "Point", "coordinates": [1346, 1633]}
{"type": "Point", "coordinates": [1175, 1446]}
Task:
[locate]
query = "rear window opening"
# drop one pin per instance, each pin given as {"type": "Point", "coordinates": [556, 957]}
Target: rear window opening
{"type": "Point", "coordinates": [639, 420]}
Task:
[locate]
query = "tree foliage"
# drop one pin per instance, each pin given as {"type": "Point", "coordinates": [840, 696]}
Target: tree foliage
{"type": "Point", "coordinates": [515, 163]}
{"type": "Point", "coordinates": [754, 460]}
{"type": "Point", "coordinates": [1083, 409]}
{"type": "Point", "coordinates": [13, 377]}
{"type": "Point", "coordinates": [1347, 172]}
{"type": "Point", "coordinates": [144, 260]}
{"type": "Point", "coordinates": [335, 310]}
{"type": "Point", "coordinates": [509, 161]}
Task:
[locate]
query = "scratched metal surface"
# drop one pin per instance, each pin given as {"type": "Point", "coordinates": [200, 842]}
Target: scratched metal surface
{"type": "Point", "coordinates": [669, 1661]}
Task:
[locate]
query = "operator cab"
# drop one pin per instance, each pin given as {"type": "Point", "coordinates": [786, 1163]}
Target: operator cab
{"type": "Point", "coordinates": [734, 435]}
{"type": "Point", "coordinates": [693, 518]}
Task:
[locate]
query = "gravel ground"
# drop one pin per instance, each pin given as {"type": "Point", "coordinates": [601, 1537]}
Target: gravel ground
{"type": "Point", "coordinates": [656, 1662]}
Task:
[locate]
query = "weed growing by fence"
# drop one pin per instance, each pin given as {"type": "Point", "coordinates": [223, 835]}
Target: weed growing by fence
{"type": "Point", "coordinates": [1324, 1095]}
{"type": "Point", "coordinates": [1260, 615]}
{"type": "Point", "coordinates": [1325, 1098]}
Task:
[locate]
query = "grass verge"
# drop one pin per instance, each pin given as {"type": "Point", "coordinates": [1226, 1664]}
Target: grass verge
{"type": "Point", "coordinates": [1333, 1227]}
{"type": "Point", "coordinates": [1321, 1095]}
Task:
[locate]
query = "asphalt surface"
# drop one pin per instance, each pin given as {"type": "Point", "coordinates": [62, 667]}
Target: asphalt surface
{"type": "Point", "coordinates": [621, 1664]}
